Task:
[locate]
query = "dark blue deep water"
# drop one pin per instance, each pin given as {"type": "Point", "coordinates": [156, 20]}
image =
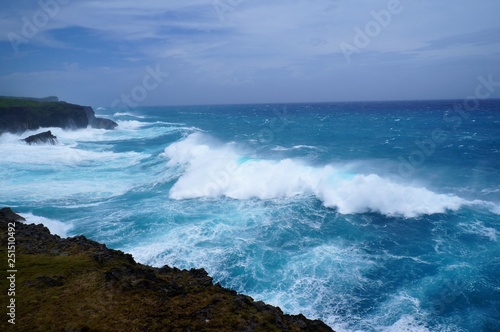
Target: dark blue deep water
{"type": "Point", "coordinates": [370, 216]}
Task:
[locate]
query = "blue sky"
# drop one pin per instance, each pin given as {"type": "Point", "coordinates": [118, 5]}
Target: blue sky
{"type": "Point", "coordinates": [248, 51]}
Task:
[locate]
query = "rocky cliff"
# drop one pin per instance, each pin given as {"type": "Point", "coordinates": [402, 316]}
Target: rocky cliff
{"type": "Point", "coordinates": [76, 284]}
{"type": "Point", "coordinates": [21, 114]}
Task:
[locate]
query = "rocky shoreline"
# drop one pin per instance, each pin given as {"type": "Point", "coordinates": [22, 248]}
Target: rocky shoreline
{"type": "Point", "coordinates": [20, 114]}
{"type": "Point", "coordinates": [76, 284]}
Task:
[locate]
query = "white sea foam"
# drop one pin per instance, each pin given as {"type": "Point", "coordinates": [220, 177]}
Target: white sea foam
{"type": "Point", "coordinates": [478, 228]}
{"type": "Point", "coordinates": [304, 283]}
{"type": "Point", "coordinates": [17, 151]}
{"type": "Point", "coordinates": [117, 114]}
{"type": "Point", "coordinates": [126, 130]}
{"type": "Point", "coordinates": [401, 312]}
{"type": "Point", "coordinates": [64, 170]}
{"type": "Point", "coordinates": [130, 124]}
{"type": "Point", "coordinates": [55, 226]}
{"type": "Point", "coordinates": [63, 136]}
{"type": "Point", "coordinates": [492, 207]}
{"type": "Point", "coordinates": [406, 323]}
{"type": "Point", "coordinates": [213, 170]}
{"type": "Point", "coordinates": [295, 147]}
{"type": "Point", "coordinates": [307, 284]}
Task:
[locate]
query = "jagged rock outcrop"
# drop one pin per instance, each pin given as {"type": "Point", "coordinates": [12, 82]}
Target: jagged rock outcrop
{"type": "Point", "coordinates": [99, 123]}
{"type": "Point", "coordinates": [7, 214]}
{"type": "Point", "coordinates": [42, 138]}
{"type": "Point", "coordinates": [76, 284]}
{"type": "Point", "coordinates": [19, 114]}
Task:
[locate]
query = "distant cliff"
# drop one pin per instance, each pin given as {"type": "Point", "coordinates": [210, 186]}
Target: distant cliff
{"type": "Point", "coordinates": [42, 100]}
{"type": "Point", "coordinates": [21, 114]}
{"type": "Point", "coordinates": [76, 284]}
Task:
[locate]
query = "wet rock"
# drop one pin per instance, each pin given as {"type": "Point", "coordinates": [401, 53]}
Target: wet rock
{"type": "Point", "coordinates": [7, 214]}
{"type": "Point", "coordinates": [202, 276]}
{"type": "Point", "coordinates": [99, 123]}
{"type": "Point", "coordinates": [42, 138]}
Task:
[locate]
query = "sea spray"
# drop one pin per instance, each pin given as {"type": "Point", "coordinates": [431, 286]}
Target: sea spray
{"type": "Point", "coordinates": [214, 170]}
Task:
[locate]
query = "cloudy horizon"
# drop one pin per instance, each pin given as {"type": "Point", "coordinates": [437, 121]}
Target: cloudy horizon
{"type": "Point", "coordinates": [112, 53]}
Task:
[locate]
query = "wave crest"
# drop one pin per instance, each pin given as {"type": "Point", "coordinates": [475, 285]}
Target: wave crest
{"type": "Point", "coordinates": [212, 169]}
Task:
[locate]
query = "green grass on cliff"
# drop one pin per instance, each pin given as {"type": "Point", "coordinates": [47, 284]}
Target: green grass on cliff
{"type": "Point", "coordinates": [79, 285]}
{"type": "Point", "coordinates": [47, 108]}
{"type": "Point", "coordinates": [76, 284]}
{"type": "Point", "coordinates": [11, 101]}
{"type": "Point", "coordinates": [73, 293]}
{"type": "Point", "coordinates": [19, 115]}
{"type": "Point", "coordinates": [34, 105]}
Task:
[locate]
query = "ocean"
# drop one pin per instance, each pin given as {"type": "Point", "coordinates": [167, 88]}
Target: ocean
{"type": "Point", "coordinates": [376, 216]}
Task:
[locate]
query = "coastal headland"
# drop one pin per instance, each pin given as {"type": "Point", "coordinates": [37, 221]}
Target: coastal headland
{"type": "Point", "coordinates": [18, 115]}
{"type": "Point", "coordinates": [76, 284]}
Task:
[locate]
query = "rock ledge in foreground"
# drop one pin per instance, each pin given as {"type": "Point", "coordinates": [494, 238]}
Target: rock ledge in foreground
{"type": "Point", "coordinates": [76, 284]}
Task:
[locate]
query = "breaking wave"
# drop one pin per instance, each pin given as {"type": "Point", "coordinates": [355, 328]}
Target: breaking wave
{"type": "Point", "coordinates": [213, 169]}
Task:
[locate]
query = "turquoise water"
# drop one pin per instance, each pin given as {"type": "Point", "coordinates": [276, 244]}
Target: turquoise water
{"type": "Point", "coordinates": [370, 216]}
